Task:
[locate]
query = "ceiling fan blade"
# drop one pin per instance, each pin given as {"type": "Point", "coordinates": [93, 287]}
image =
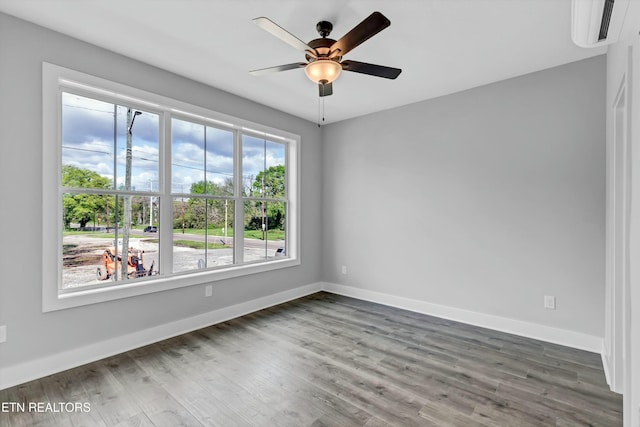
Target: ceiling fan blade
{"type": "Point", "coordinates": [371, 69]}
{"type": "Point", "coordinates": [325, 89]}
{"type": "Point", "coordinates": [270, 70]}
{"type": "Point", "coordinates": [271, 27]}
{"type": "Point", "coordinates": [362, 32]}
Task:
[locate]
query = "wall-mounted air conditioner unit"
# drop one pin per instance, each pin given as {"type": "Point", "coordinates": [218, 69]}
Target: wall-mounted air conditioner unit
{"type": "Point", "coordinates": [597, 22]}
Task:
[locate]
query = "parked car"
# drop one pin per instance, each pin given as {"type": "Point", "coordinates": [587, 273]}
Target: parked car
{"type": "Point", "coordinates": [151, 229]}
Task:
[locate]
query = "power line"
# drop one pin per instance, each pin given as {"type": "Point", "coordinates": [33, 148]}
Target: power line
{"type": "Point", "coordinates": [87, 108]}
{"type": "Point", "coordinates": [86, 150]}
{"type": "Point", "coordinates": [202, 170]}
{"type": "Point", "coordinates": [107, 152]}
{"type": "Point", "coordinates": [219, 172]}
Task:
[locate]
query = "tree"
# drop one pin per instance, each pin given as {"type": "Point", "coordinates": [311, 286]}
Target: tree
{"type": "Point", "coordinates": [205, 213]}
{"type": "Point", "coordinates": [273, 184]}
{"type": "Point", "coordinates": [82, 208]}
{"type": "Point", "coordinates": [269, 184]}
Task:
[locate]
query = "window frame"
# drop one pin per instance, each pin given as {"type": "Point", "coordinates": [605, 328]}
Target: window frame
{"type": "Point", "coordinates": [57, 79]}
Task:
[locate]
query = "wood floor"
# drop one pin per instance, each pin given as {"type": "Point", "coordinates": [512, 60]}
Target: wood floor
{"type": "Point", "coordinates": [327, 360]}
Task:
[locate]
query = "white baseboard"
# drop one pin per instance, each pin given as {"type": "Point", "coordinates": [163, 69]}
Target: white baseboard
{"type": "Point", "coordinates": [38, 368]}
{"type": "Point", "coordinates": [607, 365]}
{"type": "Point", "coordinates": [564, 337]}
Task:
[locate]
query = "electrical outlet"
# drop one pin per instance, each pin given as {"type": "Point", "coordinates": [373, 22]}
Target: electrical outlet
{"type": "Point", "coordinates": [3, 333]}
{"type": "Point", "coordinates": [208, 290]}
{"type": "Point", "coordinates": [550, 302]}
{"type": "Point", "coordinates": [344, 269]}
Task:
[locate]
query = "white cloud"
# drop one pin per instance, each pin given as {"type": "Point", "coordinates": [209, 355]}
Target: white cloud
{"type": "Point", "coordinates": [88, 143]}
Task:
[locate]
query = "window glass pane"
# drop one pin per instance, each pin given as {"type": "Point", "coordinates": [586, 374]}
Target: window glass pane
{"type": "Point", "coordinates": [265, 225]}
{"type": "Point", "coordinates": [220, 234]}
{"type": "Point", "coordinates": [187, 155]}
{"type": "Point", "coordinates": [92, 227]}
{"type": "Point", "coordinates": [219, 159]}
{"type": "Point", "coordinates": [255, 243]}
{"type": "Point", "coordinates": [203, 233]}
{"type": "Point", "coordinates": [263, 168]}
{"type": "Point", "coordinates": [253, 163]}
{"type": "Point", "coordinates": [94, 139]}
{"type": "Point", "coordinates": [202, 159]}
{"type": "Point", "coordinates": [276, 228]}
{"type": "Point", "coordinates": [275, 169]}
{"type": "Point", "coordinates": [142, 129]}
{"type": "Point", "coordinates": [264, 186]}
{"type": "Point", "coordinates": [87, 141]}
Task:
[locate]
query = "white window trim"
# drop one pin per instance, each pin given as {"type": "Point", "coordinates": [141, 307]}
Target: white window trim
{"type": "Point", "coordinates": [53, 77]}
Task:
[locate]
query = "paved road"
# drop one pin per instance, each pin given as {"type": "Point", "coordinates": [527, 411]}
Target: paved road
{"type": "Point", "coordinates": [248, 243]}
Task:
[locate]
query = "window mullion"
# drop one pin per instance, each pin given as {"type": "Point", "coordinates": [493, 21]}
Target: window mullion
{"type": "Point", "coordinates": [166, 200]}
{"type": "Point", "coordinates": [287, 198]}
{"type": "Point", "coordinates": [238, 212]}
{"type": "Point", "coordinates": [206, 198]}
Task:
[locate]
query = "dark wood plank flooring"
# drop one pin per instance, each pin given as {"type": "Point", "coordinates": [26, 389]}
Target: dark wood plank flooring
{"type": "Point", "coordinates": [328, 360]}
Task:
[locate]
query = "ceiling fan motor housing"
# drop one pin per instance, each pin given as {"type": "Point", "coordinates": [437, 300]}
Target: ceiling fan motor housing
{"type": "Point", "coordinates": [323, 47]}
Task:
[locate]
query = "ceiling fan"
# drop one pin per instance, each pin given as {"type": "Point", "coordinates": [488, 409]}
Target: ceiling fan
{"type": "Point", "coordinates": [324, 55]}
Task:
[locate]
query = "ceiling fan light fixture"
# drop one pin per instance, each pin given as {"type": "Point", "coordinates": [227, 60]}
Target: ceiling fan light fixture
{"type": "Point", "coordinates": [323, 70]}
{"type": "Point", "coordinates": [324, 55]}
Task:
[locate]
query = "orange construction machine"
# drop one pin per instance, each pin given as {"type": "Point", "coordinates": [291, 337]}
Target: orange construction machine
{"type": "Point", "coordinates": [135, 265]}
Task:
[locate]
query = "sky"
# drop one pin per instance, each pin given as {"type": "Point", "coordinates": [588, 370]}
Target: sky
{"type": "Point", "coordinates": [90, 138]}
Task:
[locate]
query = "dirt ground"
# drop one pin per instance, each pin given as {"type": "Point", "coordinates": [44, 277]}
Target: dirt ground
{"type": "Point", "coordinates": [82, 256]}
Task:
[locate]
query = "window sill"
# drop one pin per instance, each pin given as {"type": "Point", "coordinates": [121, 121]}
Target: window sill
{"type": "Point", "coordinates": [79, 298]}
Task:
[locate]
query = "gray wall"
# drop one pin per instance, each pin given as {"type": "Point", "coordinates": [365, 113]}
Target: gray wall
{"type": "Point", "coordinates": [32, 334]}
{"type": "Point", "coordinates": [484, 200]}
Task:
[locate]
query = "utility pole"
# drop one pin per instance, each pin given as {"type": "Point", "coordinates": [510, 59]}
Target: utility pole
{"type": "Point", "coordinates": [106, 208]}
{"type": "Point", "coordinates": [150, 203]}
{"type": "Point", "coordinates": [115, 185]}
{"type": "Point", "coordinates": [262, 193]}
{"type": "Point", "coordinates": [126, 227]}
{"type": "Point", "coordinates": [182, 191]}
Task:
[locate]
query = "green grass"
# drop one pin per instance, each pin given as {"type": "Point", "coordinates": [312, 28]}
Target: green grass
{"type": "Point", "coordinates": [201, 231]}
{"type": "Point", "coordinates": [100, 234]}
{"type": "Point", "coordinates": [198, 245]}
{"type": "Point", "coordinates": [248, 234]}
{"type": "Point", "coordinates": [257, 234]}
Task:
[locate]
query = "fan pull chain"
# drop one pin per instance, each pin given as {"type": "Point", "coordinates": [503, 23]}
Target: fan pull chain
{"type": "Point", "coordinates": [320, 110]}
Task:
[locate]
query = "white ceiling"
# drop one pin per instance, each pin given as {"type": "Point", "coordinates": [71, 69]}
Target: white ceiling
{"type": "Point", "coordinates": [442, 46]}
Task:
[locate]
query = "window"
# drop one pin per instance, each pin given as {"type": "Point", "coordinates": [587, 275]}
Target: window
{"type": "Point", "coordinates": [264, 197]}
{"type": "Point", "coordinates": [109, 165]}
{"type": "Point", "coordinates": [144, 193]}
{"type": "Point", "coordinates": [202, 184]}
